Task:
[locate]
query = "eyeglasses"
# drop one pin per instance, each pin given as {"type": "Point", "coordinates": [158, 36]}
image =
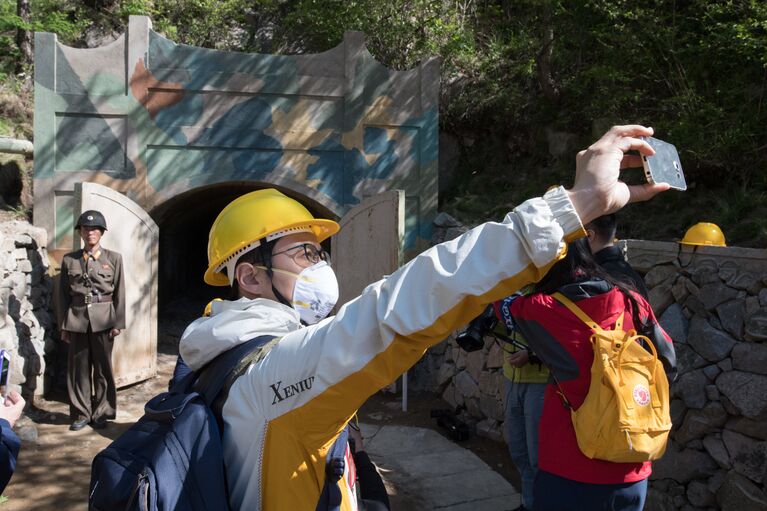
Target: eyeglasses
{"type": "Point", "coordinates": [310, 253]}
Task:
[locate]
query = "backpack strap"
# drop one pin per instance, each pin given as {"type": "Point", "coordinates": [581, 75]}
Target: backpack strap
{"type": "Point", "coordinates": [578, 311]}
{"type": "Point", "coordinates": [220, 373]}
{"type": "Point", "coordinates": [335, 464]}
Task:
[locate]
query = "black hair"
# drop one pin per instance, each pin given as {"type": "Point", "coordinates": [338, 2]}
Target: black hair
{"type": "Point", "coordinates": [604, 227]}
{"type": "Point", "coordinates": [579, 266]}
{"type": "Point", "coordinates": [261, 255]}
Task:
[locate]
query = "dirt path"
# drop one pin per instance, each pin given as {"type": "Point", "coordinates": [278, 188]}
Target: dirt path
{"type": "Point", "coordinates": [53, 471]}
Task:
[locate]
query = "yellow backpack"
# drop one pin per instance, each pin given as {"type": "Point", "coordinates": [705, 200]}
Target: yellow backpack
{"type": "Point", "coordinates": [625, 416]}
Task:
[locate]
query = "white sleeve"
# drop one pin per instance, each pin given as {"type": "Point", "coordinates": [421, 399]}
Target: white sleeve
{"type": "Point", "coordinates": [323, 373]}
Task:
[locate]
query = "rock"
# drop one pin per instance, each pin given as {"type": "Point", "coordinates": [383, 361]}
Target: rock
{"type": "Point", "coordinates": [752, 428]}
{"type": "Point", "coordinates": [687, 359]}
{"type": "Point", "coordinates": [736, 278]}
{"type": "Point", "coordinates": [660, 298]}
{"type": "Point", "coordinates": [695, 306]}
{"type": "Point", "coordinates": [675, 324]}
{"type": "Point", "coordinates": [495, 357]}
{"type": "Point", "coordinates": [752, 305]}
{"type": "Point", "coordinates": [438, 349]}
{"type": "Point", "coordinates": [445, 373]}
{"type": "Point", "coordinates": [683, 466]}
{"type": "Point", "coordinates": [449, 396]}
{"type": "Point", "coordinates": [475, 361]}
{"type": "Point", "coordinates": [756, 326]}
{"type": "Point", "coordinates": [710, 343]}
{"type": "Point", "coordinates": [711, 372]}
{"type": "Point", "coordinates": [748, 456]}
{"type": "Point", "coordinates": [699, 423]}
{"type": "Point", "coordinates": [725, 365]}
{"type": "Point", "coordinates": [715, 481]}
{"type": "Point", "coordinates": [490, 383]}
{"type": "Point", "coordinates": [491, 407]}
{"type": "Point", "coordinates": [699, 495]}
{"type": "Point", "coordinates": [739, 494]}
{"type": "Point", "coordinates": [660, 274]}
{"type": "Point", "coordinates": [679, 290]}
{"type": "Point", "coordinates": [678, 412]}
{"type": "Point", "coordinates": [691, 389]}
{"type": "Point", "coordinates": [706, 271]}
{"type": "Point", "coordinates": [750, 357]}
{"type": "Point", "coordinates": [715, 294]}
{"type": "Point", "coordinates": [27, 433]}
{"type": "Point", "coordinates": [460, 358]}
{"type": "Point", "coordinates": [732, 314]}
{"type": "Point", "coordinates": [746, 391]}
{"type": "Point", "coordinates": [712, 393]}
{"type": "Point", "coordinates": [763, 297]}
{"type": "Point", "coordinates": [473, 409]}
{"type": "Point", "coordinates": [659, 501]}
{"type": "Point", "coordinates": [715, 448]}
{"type": "Point", "coordinates": [465, 385]}
{"type": "Point", "coordinates": [491, 429]}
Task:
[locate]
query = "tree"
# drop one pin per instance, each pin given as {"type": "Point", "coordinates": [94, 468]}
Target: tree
{"type": "Point", "coordinates": [23, 36]}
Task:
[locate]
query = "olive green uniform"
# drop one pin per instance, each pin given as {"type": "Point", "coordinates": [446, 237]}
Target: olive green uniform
{"type": "Point", "coordinates": [91, 302]}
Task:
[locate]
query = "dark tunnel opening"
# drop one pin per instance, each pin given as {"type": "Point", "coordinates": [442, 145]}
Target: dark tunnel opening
{"type": "Point", "coordinates": [184, 223]}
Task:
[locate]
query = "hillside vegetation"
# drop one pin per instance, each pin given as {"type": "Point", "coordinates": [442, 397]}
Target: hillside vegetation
{"type": "Point", "coordinates": [516, 75]}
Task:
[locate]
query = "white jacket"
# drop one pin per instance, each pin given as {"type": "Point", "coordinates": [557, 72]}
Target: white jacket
{"type": "Point", "coordinates": [284, 413]}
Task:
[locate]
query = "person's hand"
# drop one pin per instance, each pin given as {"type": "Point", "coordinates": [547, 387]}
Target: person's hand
{"type": "Point", "coordinates": [518, 358]}
{"type": "Point", "coordinates": [355, 435]}
{"type": "Point", "coordinates": [597, 189]}
{"type": "Point", "coordinates": [65, 336]}
{"type": "Point", "coordinates": [12, 407]}
{"type": "Point", "coordinates": [114, 332]}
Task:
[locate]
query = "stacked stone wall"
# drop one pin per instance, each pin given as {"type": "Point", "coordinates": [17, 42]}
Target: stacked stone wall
{"type": "Point", "coordinates": [26, 320]}
{"type": "Point", "coordinates": [713, 303]}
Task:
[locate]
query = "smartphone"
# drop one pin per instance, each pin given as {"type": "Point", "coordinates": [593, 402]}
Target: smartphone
{"type": "Point", "coordinates": [5, 371]}
{"type": "Point", "coordinates": [664, 166]}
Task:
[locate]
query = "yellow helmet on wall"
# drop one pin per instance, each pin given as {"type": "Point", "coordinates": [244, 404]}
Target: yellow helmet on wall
{"type": "Point", "coordinates": [704, 234]}
{"type": "Point", "coordinates": [244, 222]}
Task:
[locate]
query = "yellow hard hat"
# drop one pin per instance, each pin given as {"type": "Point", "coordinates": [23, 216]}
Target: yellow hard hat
{"type": "Point", "coordinates": [704, 234]}
{"type": "Point", "coordinates": [244, 222]}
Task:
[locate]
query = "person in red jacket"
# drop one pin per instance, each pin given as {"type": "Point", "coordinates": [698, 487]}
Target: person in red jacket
{"type": "Point", "coordinates": [566, 478]}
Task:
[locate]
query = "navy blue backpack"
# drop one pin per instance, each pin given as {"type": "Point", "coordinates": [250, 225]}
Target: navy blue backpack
{"type": "Point", "coordinates": [172, 458]}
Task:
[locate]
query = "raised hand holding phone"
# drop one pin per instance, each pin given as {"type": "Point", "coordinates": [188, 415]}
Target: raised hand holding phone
{"type": "Point", "coordinates": [664, 166]}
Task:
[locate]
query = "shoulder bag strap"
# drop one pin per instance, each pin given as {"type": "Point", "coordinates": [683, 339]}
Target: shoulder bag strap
{"type": "Point", "coordinates": [222, 371]}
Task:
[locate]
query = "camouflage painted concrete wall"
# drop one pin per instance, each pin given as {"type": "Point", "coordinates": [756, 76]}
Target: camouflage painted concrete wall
{"type": "Point", "coordinates": [151, 119]}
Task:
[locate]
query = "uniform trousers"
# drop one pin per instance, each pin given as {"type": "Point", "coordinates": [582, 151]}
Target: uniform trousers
{"type": "Point", "coordinates": [90, 355]}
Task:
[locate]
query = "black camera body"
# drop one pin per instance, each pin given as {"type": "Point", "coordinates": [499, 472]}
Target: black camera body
{"type": "Point", "coordinates": [473, 338]}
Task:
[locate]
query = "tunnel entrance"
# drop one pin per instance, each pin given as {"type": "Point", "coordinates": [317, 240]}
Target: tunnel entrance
{"type": "Point", "coordinates": [184, 223]}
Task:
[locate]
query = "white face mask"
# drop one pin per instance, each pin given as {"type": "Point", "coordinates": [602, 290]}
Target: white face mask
{"type": "Point", "coordinates": [315, 293]}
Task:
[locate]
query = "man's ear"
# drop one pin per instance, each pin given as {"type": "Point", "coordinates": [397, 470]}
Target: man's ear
{"type": "Point", "coordinates": [252, 281]}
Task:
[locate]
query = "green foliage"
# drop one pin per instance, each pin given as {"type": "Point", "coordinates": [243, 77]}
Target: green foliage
{"type": "Point", "coordinates": [515, 70]}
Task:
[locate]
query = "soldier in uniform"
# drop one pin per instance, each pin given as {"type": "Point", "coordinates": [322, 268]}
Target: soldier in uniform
{"type": "Point", "coordinates": [91, 313]}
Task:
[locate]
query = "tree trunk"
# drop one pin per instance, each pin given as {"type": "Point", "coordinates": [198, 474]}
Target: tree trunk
{"type": "Point", "coordinates": [543, 62]}
{"type": "Point", "coordinates": [23, 37]}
